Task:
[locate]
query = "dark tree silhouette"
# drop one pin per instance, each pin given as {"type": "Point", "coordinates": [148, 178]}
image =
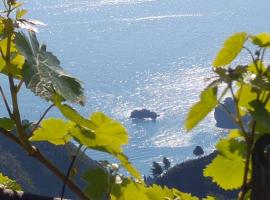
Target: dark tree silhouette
{"type": "Point", "coordinates": [166, 163]}
{"type": "Point", "coordinates": [198, 151]}
{"type": "Point", "coordinates": [156, 169]}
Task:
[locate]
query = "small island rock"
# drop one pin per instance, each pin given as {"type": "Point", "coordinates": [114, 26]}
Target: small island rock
{"type": "Point", "coordinates": [143, 114]}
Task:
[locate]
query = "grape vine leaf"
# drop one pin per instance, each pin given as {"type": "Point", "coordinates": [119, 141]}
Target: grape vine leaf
{"type": "Point", "coordinates": [261, 39]}
{"type": "Point", "coordinates": [232, 47]}
{"type": "Point", "coordinates": [227, 169]}
{"type": "Point", "coordinates": [97, 183]}
{"type": "Point", "coordinates": [245, 95]}
{"type": "Point", "coordinates": [108, 136]}
{"type": "Point", "coordinates": [156, 192]}
{"type": "Point", "coordinates": [8, 183]}
{"type": "Point", "coordinates": [16, 63]}
{"type": "Point", "coordinates": [55, 131]}
{"type": "Point", "coordinates": [261, 115]}
{"type": "Point", "coordinates": [210, 198]}
{"type": "Point", "coordinates": [7, 124]}
{"type": "Point", "coordinates": [128, 190]}
{"type": "Point", "coordinates": [208, 101]}
{"type": "Point", "coordinates": [74, 116]}
{"type": "Point", "coordinates": [42, 72]}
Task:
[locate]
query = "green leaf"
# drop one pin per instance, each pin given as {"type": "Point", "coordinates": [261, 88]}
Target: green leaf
{"type": "Point", "coordinates": [55, 131]}
{"type": "Point", "coordinates": [235, 133]}
{"type": "Point", "coordinates": [208, 101]}
{"type": "Point", "coordinates": [106, 131]}
{"type": "Point", "coordinates": [229, 147]}
{"type": "Point", "coordinates": [8, 183]}
{"type": "Point", "coordinates": [16, 65]}
{"type": "Point", "coordinates": [128, 166]}
{"type": "Point", "coordinates": [75, 117]}
{"type": "Point", "coordinates": [20, 13]}
{"type": "Point", "coordinates": [226, 172]}
{"type": "Point", "coordinates": [210, 198]}
{"type": "Point", "coordinates": [261, 115]}
{"type": "Point", "coordinates": [7, 28]}
{"type": "Point", "coordinates": [97, 183]}
{"type": "Point", "coordinates": [128, 190]}
{"type": "Point", "coordinates": [261, 40]}
{"type": "Point", "coordinates": [42, 72]}
{"type": "Point", "coordinates": [156, 192]}
{"type": "Point", "coordinates": [232, 47]}
{"type": "Point", "coordinates": [108, 136]}
{"type": "Point", "coordinates": [227, 169]}
{"type": "Point", "coordinates": [245, 95]}
{"type": "Point", "coordinates": [7, 124]}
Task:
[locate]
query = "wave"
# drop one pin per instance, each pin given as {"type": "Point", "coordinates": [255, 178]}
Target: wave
{"type": "Point", "coordinates": [160, 17]}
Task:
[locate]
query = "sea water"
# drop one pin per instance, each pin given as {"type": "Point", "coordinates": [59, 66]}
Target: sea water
{"type": "Point", "coordinates": [153, 54]}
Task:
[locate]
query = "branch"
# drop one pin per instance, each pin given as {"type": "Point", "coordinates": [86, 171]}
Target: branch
{"type": "Point", "coordinates": [74, 157]}
{"type": "Point", "coordinates": [5, 102]}
{"type": "Point", "coordinates": [42, 117]}
{"type": "Point", "coordinates": [36, 154]}
{"type": "Point", "coordinates": [10, 136]}
{"type": "Point", "coordinates": [19, 86]}
{"type": "Point", "coordinates": [248, 156]}
{"type": "Point", "coordinates": [239, 119]}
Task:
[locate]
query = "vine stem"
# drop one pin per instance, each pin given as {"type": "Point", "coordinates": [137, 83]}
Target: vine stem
{"type": "Point", "coordinates": [74, 157]}
{"type": "Point", "coordinates": [239, 120]}
{"type": "Point", "coordinates": [5, 102]}
{"type": "Point", "coordinates": [248, 156]}
{"type": "Point", "coordinates": [41, 118]}
{"type": "Point", "coordinates": [22, 138]}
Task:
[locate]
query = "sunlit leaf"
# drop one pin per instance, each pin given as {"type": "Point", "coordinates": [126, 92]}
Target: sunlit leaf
{"type": "Point", "coordinates": [55, 131]}
{"type": "Point", "coordinates": [232, 47]}
{"type": "Point", "coordinates": [20, 13]}
{"type": "Point", "coordinates": [235, 133]}
{"type": "Point", "coordinates": [226, 172]}
{"type": "Point", "coordinates": [108, 136]}
{"type": "Point", "coordinates": [262, 39]}
{"type": "Point", "coordinates": [208, 101]}
{"type": "Point", "coordinates": [227, 169]}
{"type": "Point", "coordinates": [8, 183]}
{"type": "Point", "coordinates": [97, 183]}
{"type": "Point", "coordinates": [7, 124]}
{"type": "Point", "coordinates": [128, 166]}
{"type": "Point", "coordinates": [42, 72]}
{"type": "Point", "coordinates": [75, 117]}
{"type": "Point", "coordinates": [210, 198]}
{"type": "Point", "coordinates": [17, 4]}
{"type": "Point", "coordinates": [15, 67]}
{"type": "Point", "coordinates": [245, 95]}
{"type": "Point", "coordinates": [129, 190]}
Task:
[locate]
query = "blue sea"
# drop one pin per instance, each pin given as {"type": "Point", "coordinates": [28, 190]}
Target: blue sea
{"type": "Point", "coordinates": [153, 54]}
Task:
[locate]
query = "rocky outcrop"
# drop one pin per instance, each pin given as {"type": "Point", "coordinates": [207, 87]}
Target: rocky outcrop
{"type": "Point", "coordinates": [143, 114]}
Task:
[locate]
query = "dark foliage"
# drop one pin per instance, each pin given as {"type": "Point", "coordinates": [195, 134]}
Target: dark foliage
{"type": "Point", "coordinates": [156, 169]}
{"type": "Point", "coordinates": [166, 163]}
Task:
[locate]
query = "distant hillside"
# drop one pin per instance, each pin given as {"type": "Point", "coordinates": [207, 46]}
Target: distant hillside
{"type": "Point", "coordinates": [188, 177]}
{"type": "Point", "coordinates": [33, 176]}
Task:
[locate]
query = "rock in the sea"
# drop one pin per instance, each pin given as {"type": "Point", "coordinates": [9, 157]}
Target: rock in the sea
{"type": "Point", "coordinates": [198, 151]}
{"type": "Point", "coordinates": [143, 114]}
